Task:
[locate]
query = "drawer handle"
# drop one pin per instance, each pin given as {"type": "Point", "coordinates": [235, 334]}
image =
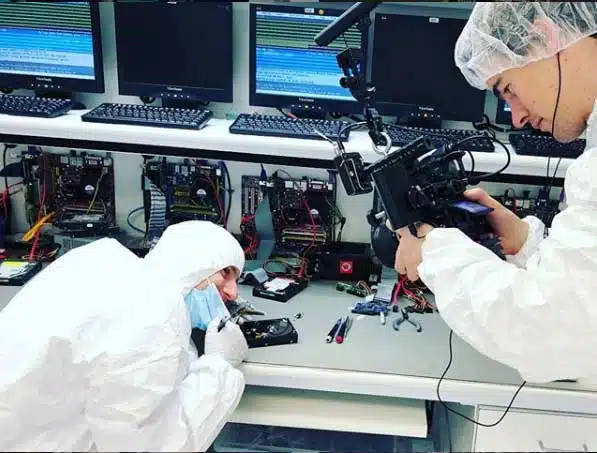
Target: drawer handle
{"type": "Point", "coordinates": [542, 447]}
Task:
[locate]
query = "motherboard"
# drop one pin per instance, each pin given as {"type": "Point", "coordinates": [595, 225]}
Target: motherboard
{"type": "Point", "coordinates": [191, 189]}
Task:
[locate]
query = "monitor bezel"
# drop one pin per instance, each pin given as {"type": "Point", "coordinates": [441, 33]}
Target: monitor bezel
{"type": "Point", "coordinates": [183, 93]}
{"type": "Point", "coordinates": [66, 84]}
{"type": "Point", "coordinates": [403, 110]}
{"type": "Point", "coordinates": [283, 101]}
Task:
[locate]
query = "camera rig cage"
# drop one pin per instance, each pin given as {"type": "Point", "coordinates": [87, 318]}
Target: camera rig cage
{"type": "Point", "coordinates": [415, 183]}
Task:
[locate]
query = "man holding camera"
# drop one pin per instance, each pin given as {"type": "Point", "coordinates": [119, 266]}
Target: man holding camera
{"type": "Point", "coordinates": [536, 311]}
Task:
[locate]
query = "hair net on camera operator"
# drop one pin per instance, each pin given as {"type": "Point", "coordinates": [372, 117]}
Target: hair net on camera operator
{"type": "Point", "coordinates": [503, 35]}
{"type": "Point", "coordinates": [96, 352]}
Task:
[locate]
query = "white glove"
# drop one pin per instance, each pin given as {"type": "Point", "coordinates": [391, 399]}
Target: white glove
{"type": "Point", "coordinates": [229, 343]}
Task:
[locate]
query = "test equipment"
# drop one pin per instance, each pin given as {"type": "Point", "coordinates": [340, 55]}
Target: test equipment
{"type": "Point", "coordinates": [304, 211]}
{"type": "Point", "coordinates": [185, 189]}
{"type": "Point", "coordinates": [73, 191]}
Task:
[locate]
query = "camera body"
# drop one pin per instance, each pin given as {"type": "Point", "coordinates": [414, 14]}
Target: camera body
{"type": "Point", "coordinates": [417, 183]}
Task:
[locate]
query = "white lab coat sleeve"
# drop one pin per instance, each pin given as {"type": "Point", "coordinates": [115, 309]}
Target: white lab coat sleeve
{"type": "Point", "coordinates": [535, 235]}
{"type": "Point", "coordinates": [151, 393]}
{"type": "Point", "coordinates": [539, 319]}
{"type": "Point", "coordinates": [209, 396]}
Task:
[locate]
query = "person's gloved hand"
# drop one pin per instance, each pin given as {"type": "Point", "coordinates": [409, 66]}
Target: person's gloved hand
{"type": "Point", "coordinates": [511, 230]}
{"type": "Point", "coordinates": [229, 343]}
{"type": "Point", "coordinates": [408, 254]}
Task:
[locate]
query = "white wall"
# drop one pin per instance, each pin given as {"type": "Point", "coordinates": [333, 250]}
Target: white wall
{"type": "Point", "coordinates": [127, 166]}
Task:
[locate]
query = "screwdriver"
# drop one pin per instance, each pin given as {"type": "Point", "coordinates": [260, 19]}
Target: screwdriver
{"type": "Point", "coordinates": [342, 331]}
{"type": "Point", "coordinates": [332, 333]}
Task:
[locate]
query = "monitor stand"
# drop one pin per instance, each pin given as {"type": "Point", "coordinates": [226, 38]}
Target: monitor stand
{"type": "Point", "coordinates": [421, 119]}
{"type": "Point", "coordinates": [61, 95]}
{"type": "Point", "coordinates": [183, 104]}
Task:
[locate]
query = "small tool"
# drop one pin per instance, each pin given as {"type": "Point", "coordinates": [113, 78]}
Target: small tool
{"type": "Point", "coordinates": [405, 317]}
{"type": "Point", "coordinates": [332, 334]}
{"type": "Point", "coordinates": [348, 326]}
{"type": "Point", "coordinates": [343, 330]}
{"type": "Point", "coordinates": [239, 309]}
{"type": "Point", "coordinates": [222, 323]}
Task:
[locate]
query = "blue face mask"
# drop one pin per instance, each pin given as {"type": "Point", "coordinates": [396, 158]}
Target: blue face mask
{"type": "Point", "coordinates": [205, 305]}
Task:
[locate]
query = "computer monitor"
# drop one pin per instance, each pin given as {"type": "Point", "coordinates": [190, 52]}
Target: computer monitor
{"type": "Point", "coordinates": [503, 114]}
{"type": "Point", "coordinates": [180, 52]}
{"type": "Point", "coordinates": [287, 69]}
{"type": "Point", "coordinates": [53, 48]}
{"type": "Point", "coordinates": [413, 69]}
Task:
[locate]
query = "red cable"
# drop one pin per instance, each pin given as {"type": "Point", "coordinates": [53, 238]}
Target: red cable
{"type": "Point", "coordinates": [303, 259]}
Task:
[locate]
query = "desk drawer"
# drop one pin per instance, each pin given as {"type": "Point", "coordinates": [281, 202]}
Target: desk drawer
{"type": "Point", "coordinates": [535, 431]}
{"type": "Point", "coordinates": [332, 411]}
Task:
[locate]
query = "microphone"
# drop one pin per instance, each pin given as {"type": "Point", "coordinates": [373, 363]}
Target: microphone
{"type": "Point", "coordinates": [344, 22]}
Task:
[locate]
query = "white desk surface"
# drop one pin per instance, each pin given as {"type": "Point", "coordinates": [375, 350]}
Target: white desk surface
{"type": "Point", "coordinates": [375, 360]}
{"type": "Point", "coordinates": [215, 136]}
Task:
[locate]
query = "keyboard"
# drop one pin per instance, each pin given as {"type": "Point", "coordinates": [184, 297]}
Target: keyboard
{"type": "Point", "coordinates": [402, 135]}
{"type": "Point", "coordinates": [148, 115]}
{"type": "Point", "coordinates": [34, 106]}
{"type": "Point", "coordinates": [282, 126]}
{"type": "Point", "coordinates": [545, 146]}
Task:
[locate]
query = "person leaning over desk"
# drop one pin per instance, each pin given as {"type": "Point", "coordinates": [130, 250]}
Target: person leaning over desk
{"type": "Point", "coordinates": [96, 353]}
{"type": "Point", "coordinates": [537, 311]}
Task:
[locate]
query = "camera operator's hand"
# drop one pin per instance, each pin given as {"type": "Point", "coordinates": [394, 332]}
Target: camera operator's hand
{"type": "Point", "coordinates": [511, 230]}
{"type": "Point", "coordinates": [409, 254]}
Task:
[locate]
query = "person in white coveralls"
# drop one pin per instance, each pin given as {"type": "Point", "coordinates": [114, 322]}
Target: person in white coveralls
{"type": "Point", "coordinates": [537, 311]}
{"type": "Point", "coordinates": [96, 354]}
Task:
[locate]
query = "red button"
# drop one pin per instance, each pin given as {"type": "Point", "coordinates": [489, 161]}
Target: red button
{"type": "Point", "coordinates": [346, 267]}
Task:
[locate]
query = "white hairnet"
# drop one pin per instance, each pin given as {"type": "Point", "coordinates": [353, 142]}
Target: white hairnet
{"type": "Point", "coordinates": [499, 35]}
{"type": "Point", "coordinates": [191, 251]}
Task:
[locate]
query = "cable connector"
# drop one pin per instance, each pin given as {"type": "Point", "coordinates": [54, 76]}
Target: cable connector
{"type": "Point", "coordinates": [263, 175]}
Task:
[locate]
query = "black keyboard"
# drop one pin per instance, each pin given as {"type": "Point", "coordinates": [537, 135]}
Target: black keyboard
{"type": "Point", "coordinates": [402, 135]}
{"type": "Point", "coordinates": [148, 115]}
{"type": "Point", "coordinates": [33, 106]}
{"type": "Point", "coordinates": [545, 146]}
{"type": "Point", "coordinates": [282, 126]}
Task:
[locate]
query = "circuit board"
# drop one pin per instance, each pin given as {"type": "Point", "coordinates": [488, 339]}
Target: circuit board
{"type": "Point", "coordinates": [544, 209]}
{"type": "Point", "coordinates": [78, 188]}
{"type": "Point", "coordinates": [193, 189]}
{"type": "Point", "coordinates": [303, 210]}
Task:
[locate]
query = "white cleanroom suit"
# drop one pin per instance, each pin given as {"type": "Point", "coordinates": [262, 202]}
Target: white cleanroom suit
{"type": "Point", "coordinates": [95, 350]}
{"type": "Point", "coordinates": [537, 312]}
